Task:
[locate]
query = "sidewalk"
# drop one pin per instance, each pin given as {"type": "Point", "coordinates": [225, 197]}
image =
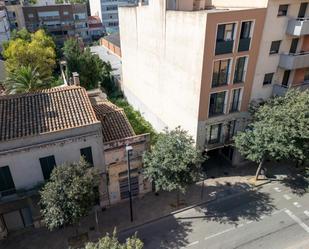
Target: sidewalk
{"type": "Point", "coordinates": [145, 209]}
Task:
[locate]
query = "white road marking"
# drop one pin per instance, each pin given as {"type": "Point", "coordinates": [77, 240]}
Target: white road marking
{"type": "Point", "coordinates": [297, 220]}
{"type": "Point", "coordinates": [287, 197]}
{"type": "Point", "coordinates": [306, 213]}
{"type": "Point", "coordinates": [222, 232]}
{"type": "Point", "coordinates": [193, 243]}
{"type": "Point", "coordinates": [249, 222]}
{"type": "Point", "coordinates": [296, 204]}
{"type": "Point", "coordinates": [262, 217]}
{"type": "Point", "coordinates": [240, 225]}
{"type": "Point", "coordinates": [277, 189]}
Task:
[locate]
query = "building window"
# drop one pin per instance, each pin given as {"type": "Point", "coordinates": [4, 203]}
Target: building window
{"type": "Point", "coordinates": [220, 74]}
{"type": "Point", "coordinates": [47, 164]}
{"type": "Point", "coordinates": [225, 38]}
{"type": "Point", "coordinates": [268, 78]}
{"type": "Point", "coordinates": [7, 186]}
{"type": "Point", "coordinates": [217, 104]}
{"type": "Point", "coordinates": [30, 15]}
{"type": "Point", "coordinates": [245, 36]}
{"type": "Point", "coordinates": [231, 129]}
{"type": "Point", "coordinates": [274, 48]}
{"type": "Point", "coordinates": [235, 100]}
{"type": "Point", "coordinates": [215, 134]}
{"type": "Point", "coordinates": [87, 154]}
{"type": "Point", "coordinates": [294, 45]}
{"type": "Point", "coordinates": [124, 187]}
{"type": "Point", "coordinates": [306, 76]}
{"type": "Point", "coordinates": [240, 70]}
{"type": "Point", "coordinates": [66, 13]}
{"type": "Point", "coordinates": [286, 77]}
{"type": "Point", "coordinates": [302, 10]}
{"type": "Point", "coordinates": [283, 10]}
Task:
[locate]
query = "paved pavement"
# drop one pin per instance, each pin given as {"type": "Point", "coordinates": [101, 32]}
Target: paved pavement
{"type": "Point", "coordinates": [275, 217]}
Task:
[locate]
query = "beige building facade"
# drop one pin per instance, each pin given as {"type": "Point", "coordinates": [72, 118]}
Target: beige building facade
{"type": "Point", "coordinates": [283, 57]}
{"type": "Point", "coordinates": [192, 64]}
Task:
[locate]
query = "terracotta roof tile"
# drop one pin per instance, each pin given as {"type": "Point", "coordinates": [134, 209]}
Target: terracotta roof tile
{"type": "Point", "coordinates": [115, 123]}
{"type": "Point", "coordinates": [50, 110]}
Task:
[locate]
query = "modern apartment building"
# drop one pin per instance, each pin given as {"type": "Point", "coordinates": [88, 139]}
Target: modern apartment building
{"type": "Point", "coordinates": [4, 26]}
{"type": "Point", "coordinates": [192, 63]}
{"type": "Point", "coordinates": [61, 20]}
{"type": "Point", "coordinates": [15, 13]}
{"type": "Point", "coordinates": [107, 10]}
{"type": "Point", "coordinates": [284, 52]}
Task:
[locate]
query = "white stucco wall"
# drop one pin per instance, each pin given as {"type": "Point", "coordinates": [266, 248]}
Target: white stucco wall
{"type": "Point", "coordinates": [274, 29]}
{"type": "Point", "coordinates": [162, 57]}
{"type": "Point", "coordinates": [25, 166]}
{"type": "Point", "coordinates": [95, 8]}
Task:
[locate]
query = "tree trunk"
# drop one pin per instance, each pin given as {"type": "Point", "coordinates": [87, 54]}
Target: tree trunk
{"type": "Point", "coordinates": [258, 171]}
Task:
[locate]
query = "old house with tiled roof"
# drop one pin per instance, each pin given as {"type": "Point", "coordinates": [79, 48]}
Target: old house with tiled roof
{"type": "Point", "coordinates": [117, 133]}
{"type": "Point", "coordinates": [37, 132]}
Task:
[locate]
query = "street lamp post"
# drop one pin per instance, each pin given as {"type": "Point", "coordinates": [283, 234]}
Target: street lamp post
{"type": "Point", "coordinates": [129, 150]}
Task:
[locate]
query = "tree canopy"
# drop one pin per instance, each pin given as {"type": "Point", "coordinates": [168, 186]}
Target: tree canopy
{"type": "Point", "coordinates": [25, 79]}
{"type": "Point", "coordinates": [173, 163]}
{"type": "Point", "coordinates": [111, 242]}
{"type": "Point", "coordinates": [279, 130]}
{"type": "Point", "coordinates": [36, 50]}
{"type": "Point", "coordinates": [69, 194]}
{"type": "Point", "coordinates": [92, 70]}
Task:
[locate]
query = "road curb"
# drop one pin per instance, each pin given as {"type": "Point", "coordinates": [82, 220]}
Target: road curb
{"type": "Point", "coordinates": [185, 209]}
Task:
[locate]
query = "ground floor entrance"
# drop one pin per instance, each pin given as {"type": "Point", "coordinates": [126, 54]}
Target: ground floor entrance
{"type": "Point", "coordinates": [17, 219]}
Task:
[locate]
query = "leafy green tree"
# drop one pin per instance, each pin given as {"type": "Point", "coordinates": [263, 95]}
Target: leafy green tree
{"type": "Point", "coordinates": [279, 130]}
{"type": "Point", "coordinates": [24, 80]}
{"type": "Point", "coordinates": [173, 163]}
{"type": "Point", "coordinates": [92, 70]}
{"type": "Point", "coordinates": [36, 50]}
{"type": "Point", "coordinates": [69, 194]}
{"type": "Point", "coordinates": [111, 242]}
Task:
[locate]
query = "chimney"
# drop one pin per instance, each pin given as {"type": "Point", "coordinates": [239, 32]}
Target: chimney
{"type": "Point", "coordinates": [76, 79]}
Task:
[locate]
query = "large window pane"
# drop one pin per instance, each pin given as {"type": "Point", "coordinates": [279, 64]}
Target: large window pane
{"type": "Point", "coordinates": [236, 100]}
{"type": "Point", "coordinates": [217, 101]}
{"type": "Point", "coordinates": [220, 73]}
{"type": "Point", "coordinates": [87, 154]}
{"type": "Point", "coordinates": [215, 134]}
{"type": "Point", "coordinates": [47, 164]}
{"type": "Point", "coordinates": [245, 30]}
{"type": "Point", "coordinates": [7, 185]}
{"type": "Point", "coordinates": [239, 74]}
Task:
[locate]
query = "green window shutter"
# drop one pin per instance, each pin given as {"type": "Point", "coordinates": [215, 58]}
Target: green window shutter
{"type": "Point", "coordinates": [87, 154]}
{"type": "Point", "coordinates": [47, 164]}
{"type": "Point", "coordinates": [6, 180]}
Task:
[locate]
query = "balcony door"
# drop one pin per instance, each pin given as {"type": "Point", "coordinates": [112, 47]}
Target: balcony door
{"type": "Point", "coordinates": [286, 77]}
{"type": "Point", "coordinates": [302, 10]}
{"type": "Point", "coordinates": [294, 44]}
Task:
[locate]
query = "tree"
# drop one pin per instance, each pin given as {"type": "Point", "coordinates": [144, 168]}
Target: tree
{"type": "Point", "coordinates": [69, 194]}
{"type": "Point", "coordinates": [111, 242]}
{"type": "Point", "coordinates": [36, 50]}
{"type": "Point", "coordinates": [279, 130]}
{"type": "Point", "coordinates": [24, 80]}
{"type": "Point", "coordinates": [174, 162]}
{"type": "Point", "coordinates": [92, 70]}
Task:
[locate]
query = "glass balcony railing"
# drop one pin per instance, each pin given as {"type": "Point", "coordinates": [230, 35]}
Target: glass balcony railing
{"type": "Point", "coordinates": [294, 61]}
{"type": "Point", "coordinates": [244, 44]}
{"type": "Point", "coordinates": [298, 27]}
{"type": "Point", "coordinates": [224, 47]}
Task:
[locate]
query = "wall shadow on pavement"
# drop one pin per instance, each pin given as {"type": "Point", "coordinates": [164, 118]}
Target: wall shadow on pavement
{"type": "Point", "coordinates": [234, 203]}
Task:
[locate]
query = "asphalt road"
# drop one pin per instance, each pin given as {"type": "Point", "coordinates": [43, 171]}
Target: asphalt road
{"type": "Point", "coordinates": [273, 217]}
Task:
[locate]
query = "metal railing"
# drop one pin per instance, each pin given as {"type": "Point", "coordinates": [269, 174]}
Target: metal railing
{"type": "Point", "coordinates": [224, 47]}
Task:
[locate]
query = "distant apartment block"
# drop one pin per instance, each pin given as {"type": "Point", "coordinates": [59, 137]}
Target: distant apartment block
{"type": "Point", "coordinates": [192, 63]}
{"type": "Point", "coordinates": [96, 29]}
{"type": "Point", "coordinates": [107, 10]}
{"type": "Point", "coordinates": [4, 26]}
{"type": "Point", "coordinates": [61, 20]}
{"type": "Point", "coordinates": [284, 52]}
{"type": "Point", "coordinates": [15, 14]}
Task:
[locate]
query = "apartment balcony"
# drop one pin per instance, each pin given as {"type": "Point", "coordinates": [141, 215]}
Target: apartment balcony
{"type": "Point", "coordinates": [279, 90]}
{"type": "Point", "coordinates": [244, 44]}
{"type": "Point", "coordinates": [294, 61]}
{"type": "Point", "coordinates": [298, 27]}
{"type": "Point", "coordinates": [224, 47]}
